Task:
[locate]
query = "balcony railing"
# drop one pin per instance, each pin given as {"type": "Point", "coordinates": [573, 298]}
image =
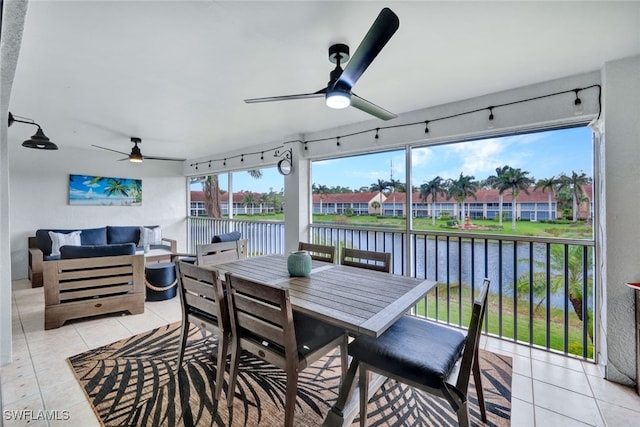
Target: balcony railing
{"type": "Point", "coordinates": [541, 288]}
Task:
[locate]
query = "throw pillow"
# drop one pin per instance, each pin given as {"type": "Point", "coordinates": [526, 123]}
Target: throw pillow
{"type": "Point", "coordinates": [150, 236]}
{"type": "Point", "coordinates": [61, 239]}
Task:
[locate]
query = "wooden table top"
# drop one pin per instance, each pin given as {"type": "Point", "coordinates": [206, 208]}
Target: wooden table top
{"type": "Point", "coordinates": [361, 301]}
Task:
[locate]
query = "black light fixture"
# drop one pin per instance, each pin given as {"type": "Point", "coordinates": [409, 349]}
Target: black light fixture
{"type": "Point", "coordinates": [578, 108]}
{"type": "Point", "coordinates": [491, 123]}
{"type": "Point", "coordinates": [39, 140]}
{"type": "Point", "coordinates": [136, 154]}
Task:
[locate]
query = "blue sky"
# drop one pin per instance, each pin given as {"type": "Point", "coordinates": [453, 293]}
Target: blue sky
{"type": "Point", "coordinates": [543, 154]}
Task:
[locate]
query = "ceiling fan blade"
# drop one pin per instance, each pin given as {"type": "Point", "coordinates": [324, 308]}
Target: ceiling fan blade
{"type": "Point", "coordinates": [317, 94]}
{"type": "Point", "coordinates": [385, 25]}
{"type": "Point", "coordinates": [109, 149]}
{"type": "Point", "coordinates": [371, 108]}
{"type": "Point", "coordinates": [172, 159]}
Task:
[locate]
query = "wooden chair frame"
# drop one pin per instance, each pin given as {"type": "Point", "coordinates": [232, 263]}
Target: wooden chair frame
{"type": "Point", "coordinates": [266, 311]}
{"type": "Point", "coordinates": [319, 252]}
{"type": "Point", "coordinates": [379, 261]}
{"type": "Point", "coordinates": [454, 390]}
{"type": "Point", "coordinates": [218, 253]}
{"type": "Point", "coordinates": [204, 304]}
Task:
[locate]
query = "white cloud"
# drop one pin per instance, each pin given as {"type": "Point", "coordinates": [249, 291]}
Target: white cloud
{"type": "Point", "coordinates": [421, 157]}
{"type": "Point", "coordinates": [89, 184]}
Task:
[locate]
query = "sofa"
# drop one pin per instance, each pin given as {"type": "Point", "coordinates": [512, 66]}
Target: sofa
{"type": "Point", "coordinates": [46, 244]}
{"type": "Point", "coordinates": [93, 280]}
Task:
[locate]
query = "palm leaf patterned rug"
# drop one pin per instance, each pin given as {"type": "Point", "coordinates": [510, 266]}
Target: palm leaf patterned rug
{"type": "Point", "coordinates": [133, 382]}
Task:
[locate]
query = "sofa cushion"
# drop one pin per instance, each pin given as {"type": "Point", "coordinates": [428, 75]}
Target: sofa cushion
{"type": "Point", "coordinates": [94, 236]}
{"type": "Point", "coordinates": [123, 234]}
{"type": "Point", "coordinates": [150, 236]}
{"type": "Point", "coordinates": [89, 236]}
{"type": "Point", "coordinates": [90, 251]}
{"type": "Point", "coordinates": [227, 237]}
{"type": "Point", "coordinates": [61, 239]}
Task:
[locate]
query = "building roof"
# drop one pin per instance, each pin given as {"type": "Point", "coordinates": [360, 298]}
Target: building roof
{"type": "Point", "coordinates": [360, 197]}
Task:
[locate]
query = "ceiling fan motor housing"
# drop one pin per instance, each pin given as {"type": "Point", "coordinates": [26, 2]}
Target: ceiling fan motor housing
{"type": "Point", "coordinates": [340, 51]}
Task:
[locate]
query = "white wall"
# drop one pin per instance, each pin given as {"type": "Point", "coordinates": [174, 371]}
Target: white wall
{"type": "Point", "coordinates": [619, 249]}
{"type": "Point", "coordinates": [12, 25]}
{"type": "Point", "coordinates": [40, 188]}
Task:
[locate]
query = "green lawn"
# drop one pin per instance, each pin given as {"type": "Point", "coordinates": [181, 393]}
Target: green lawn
{"type": "Point", "coordinates": [579, 230]}
{"type": "Point", "coordinates": [505, 326]}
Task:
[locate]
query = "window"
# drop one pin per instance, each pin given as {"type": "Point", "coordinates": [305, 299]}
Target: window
{"type": "Point", "coordinates": [553, 171]}
{"type": "Point", "coordinates": [257, 193]}
{"type": "Point", "coordinates": [348, 188]}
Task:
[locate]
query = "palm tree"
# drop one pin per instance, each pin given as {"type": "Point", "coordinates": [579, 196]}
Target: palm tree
{"type": "Point", "coordinates": [547, 185]}
{"type": "Point", "coordinates": [211, 192]}
{"type": "Point", "coordinates": [394, 185]}
{"type": "Point", "coordinates": [517, 180]}
{"type": "Point", "coordinates": [499, 182]}
{"type": "Point", "coordinates": [249, 199]}
{"type": "Point", "coordinates": [321, 190]}
{"type": "Point", "coordinates": [433, 188]}
{"type": "Point", "coordinates": [574, 280]}
{"type": "Point", "coordinates": [134, 188]}
{"type": "Point", "coordinates": [255, 173]}
{"type": "Point", "coordinates": [379, 186]}
{"type": "Point", "coordinates": [116, 186]}
{"type": "Point", "coordinates": [376, 205]}
{"type": "Point", "coordinates": [574, 183]}
{"type": "Point", "coordinates": [461, 188]}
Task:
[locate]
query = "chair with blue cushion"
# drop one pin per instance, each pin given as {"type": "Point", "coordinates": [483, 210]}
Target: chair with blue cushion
{"type": "Point", "coordinates": [204, 304]}
{"type": "Point", "coordinates": [423, 355]}
{"type": "Point", "coordinates": [263, 323]}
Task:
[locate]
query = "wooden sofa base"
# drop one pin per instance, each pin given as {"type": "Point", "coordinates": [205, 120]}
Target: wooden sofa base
{"type": "Point", "coordinates": [56, 315]}
{"type": "Point", "coordinates": [36, 259]}
{"type": "Point", "coordinates": [84, 287]}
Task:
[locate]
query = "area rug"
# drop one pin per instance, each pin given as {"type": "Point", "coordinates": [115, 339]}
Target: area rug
{"type": "Point", "coordinates": [133, 382]}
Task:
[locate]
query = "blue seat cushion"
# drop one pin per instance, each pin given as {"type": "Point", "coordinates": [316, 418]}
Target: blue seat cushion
{"type": "Point", "coordinates": [227, 237]}
{"type": "Point", "coordinates": [90, 251]}
{"type": "Point", "coordinates": [311, 334]}
{"type": "Point", "coordinates": [123, 234]}
{"type": "Point", "coordinates": [412, 348]}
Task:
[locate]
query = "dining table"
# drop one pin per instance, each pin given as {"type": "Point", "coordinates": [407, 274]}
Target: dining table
{"type": "Point", "coordinates": [362, 301]}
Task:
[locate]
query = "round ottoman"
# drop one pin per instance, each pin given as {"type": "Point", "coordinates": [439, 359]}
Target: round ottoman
{"type": "Point", "coordinates": [160, 280]}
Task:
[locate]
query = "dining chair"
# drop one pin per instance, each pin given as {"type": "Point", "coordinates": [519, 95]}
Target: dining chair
{"type": "Point", "coordinates": [319, 252]}
{"type": "Point", "coordinates": [380, 261]}
{"type": "Point", "coordinates": [427, 356]}
{"type": "Point", "coordinates": [204, 304]}
{"type": "Point", "coordinates": [221, 252]}
{"type": "Point", "coordinates": [264, 324]}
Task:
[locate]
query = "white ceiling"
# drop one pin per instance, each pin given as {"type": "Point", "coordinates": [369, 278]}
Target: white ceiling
{"type": "Point", "coordinates": [176, 73]}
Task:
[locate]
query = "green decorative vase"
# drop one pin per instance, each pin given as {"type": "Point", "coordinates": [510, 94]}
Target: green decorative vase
{"type": "Point", "coordinates": [299, 263]}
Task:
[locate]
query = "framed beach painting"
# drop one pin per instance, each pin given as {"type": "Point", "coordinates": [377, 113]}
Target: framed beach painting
{"type": "Point", "coordinates": [104, 191]}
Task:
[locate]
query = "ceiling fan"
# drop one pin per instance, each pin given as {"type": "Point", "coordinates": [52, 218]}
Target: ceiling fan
{"type": "Point", "coordinates": [136, 156]}
{"type": "Point", "coordinates": [338, 91]}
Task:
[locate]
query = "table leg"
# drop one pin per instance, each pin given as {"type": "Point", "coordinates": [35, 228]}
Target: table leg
{"type": "Point", "coordinates": [335, 416]}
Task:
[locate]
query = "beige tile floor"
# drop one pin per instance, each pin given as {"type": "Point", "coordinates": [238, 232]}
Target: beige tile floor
{"type": "Point", "coordinates": [547, 390]}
